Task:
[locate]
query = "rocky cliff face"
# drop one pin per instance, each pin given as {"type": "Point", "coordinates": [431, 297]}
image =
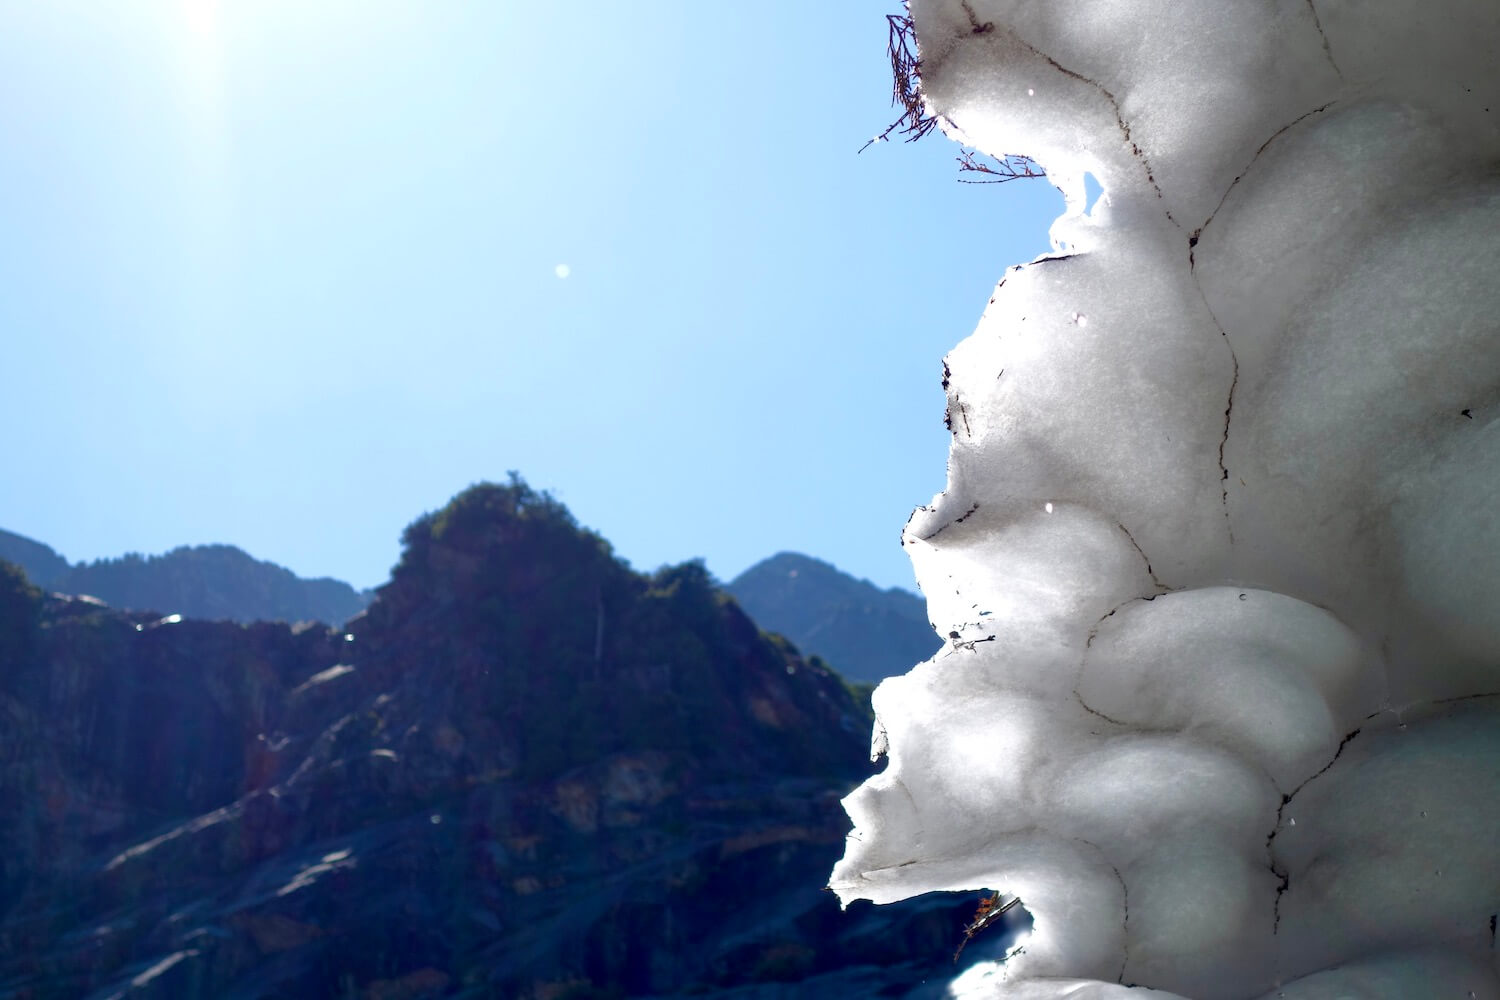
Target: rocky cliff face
{"type": "Point", "coordinates": [525, 772]}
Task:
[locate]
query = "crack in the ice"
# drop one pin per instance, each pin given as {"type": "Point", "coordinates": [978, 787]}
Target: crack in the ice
{"type": "Point", "coordinates": [1286, 879]}
{"type": "Point", "coordinates": [1327, 49]}
{"type": "Point", "coordinates": [1094, 630]}
{"type": "Point", "coordinates": [1193, 239]}
{"type": "Point", "coordinates": [1114, 104]}
{"type": "Point", "coordinates": [1334, 760]}
{"type": "Point", "coordinates": [975, 27]}
{"type": "Point", "coordinates": [1281, 888]}
{"type": "Point", "coordinates": [1467, 697]}
{"type": "Point", "coordinates": [1198, 233]}
{"type": "Point", "coordinates": [1089, 644]}
{"type": "Point", "coordinates": [1224, 441]}
{"type": "Point", "coordinates": [958, 520]}
{"type": "Point", "coordinates": [1094, 711]}
{"type": "Point", "coordinates": [1142, 552]}
{"type": "Point", "coordinates": [1234, 383]}
{"type": "Point", "coordinates": [1124, 907]}
{"type": "Point", "coordinates": [1124, 922]}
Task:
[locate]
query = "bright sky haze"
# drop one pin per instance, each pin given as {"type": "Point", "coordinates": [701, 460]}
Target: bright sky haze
{"type": "Point", "coordinates": [286, 275]}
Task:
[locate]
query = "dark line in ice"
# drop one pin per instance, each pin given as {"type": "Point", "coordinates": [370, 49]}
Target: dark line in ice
{"type": "Point", "coordinates": [1327, 49]}
{"type": "Point", "coordinates": [1228, 409]}
{"type": "Point", "coordinates": [1234, 383]}
{"type": "Point", "coordinates": [1124, 906]}
{"type": "Point", "coordinates": [1125, 923]}
{"type": "Point", "coordinates": [1192, 269]}
{"type": "Point", "coordinates": [1281, 810]}
{"type": "Point", "coordinates": [1136, 545]}
{"type": "Point", "coordinates": [1193, 239]}
{"type": "Point", "coordinates": [1114, 104]}
{"type": "Point", "coordinates": [1094, 630]}
{"type": "Point", "coordinates": [1094, 711]}
{"type": "Point", "coordinates": [1336, 754]}
{"type": "Point", "coordinates": [975, 27]}
{"type": "Point", "coordinates": [1286, 883]}
{"type": "Point", "coordinates": [1467, 697]}
{"type": "Point", "coordinates": [958, 520]}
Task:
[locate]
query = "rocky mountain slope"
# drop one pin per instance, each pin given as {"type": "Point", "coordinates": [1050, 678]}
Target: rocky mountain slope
{"type": "Point", "coordinates": [864, 633]}
{"type": "Point", "coordinates": [526, 771]}
{"type": "Point", "coordinates": [213, 582]}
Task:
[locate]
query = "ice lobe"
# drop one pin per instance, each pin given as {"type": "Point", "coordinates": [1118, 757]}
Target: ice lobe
{"type": "Point", "coordinates": [1218, 552]}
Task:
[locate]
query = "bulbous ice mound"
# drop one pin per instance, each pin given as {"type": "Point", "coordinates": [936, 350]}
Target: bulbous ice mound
{"type": "Point", "coordinates": [1219, 549]}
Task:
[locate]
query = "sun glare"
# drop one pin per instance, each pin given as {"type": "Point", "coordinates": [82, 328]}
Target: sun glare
{"type": "Point", "coordinates": [201, 17]}
{"type": "Point", "coordinates": [200, 44]}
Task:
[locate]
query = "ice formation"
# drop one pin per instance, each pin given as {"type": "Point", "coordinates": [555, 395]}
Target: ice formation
{"type": "Point", "coordinates": [1218, 552]}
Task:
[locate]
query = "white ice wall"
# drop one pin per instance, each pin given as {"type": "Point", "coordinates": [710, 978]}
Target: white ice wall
{"type": "Point", "coordinates": [1221, 534]}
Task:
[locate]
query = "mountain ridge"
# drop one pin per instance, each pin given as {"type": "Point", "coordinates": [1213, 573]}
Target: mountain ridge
{"type": "Point", "coordinates": [513, 776]}
{"type": "Point", "coordinates": [862, 631]}
{"type": "Point", "coordinates": [215, 582]}
{"type": "Point", "coordinates": [865, 633]}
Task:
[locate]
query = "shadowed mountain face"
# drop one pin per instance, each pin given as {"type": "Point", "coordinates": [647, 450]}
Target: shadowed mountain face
{"type": "Point", "coordinates": [212, 582]}
{"type": "Point", "coordinates": [40, 562]}
{"type": "Point", "coordinates": [863, 632]}
{"type": "Point", "coordinates": [527, 771]}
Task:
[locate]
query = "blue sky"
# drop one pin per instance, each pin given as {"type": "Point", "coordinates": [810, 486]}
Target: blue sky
{"type": "Point", "coordinates": [284, 275]}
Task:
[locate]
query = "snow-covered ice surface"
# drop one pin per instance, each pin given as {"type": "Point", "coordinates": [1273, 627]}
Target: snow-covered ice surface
{"type": "Point", "coordinates": [1220, 541]}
